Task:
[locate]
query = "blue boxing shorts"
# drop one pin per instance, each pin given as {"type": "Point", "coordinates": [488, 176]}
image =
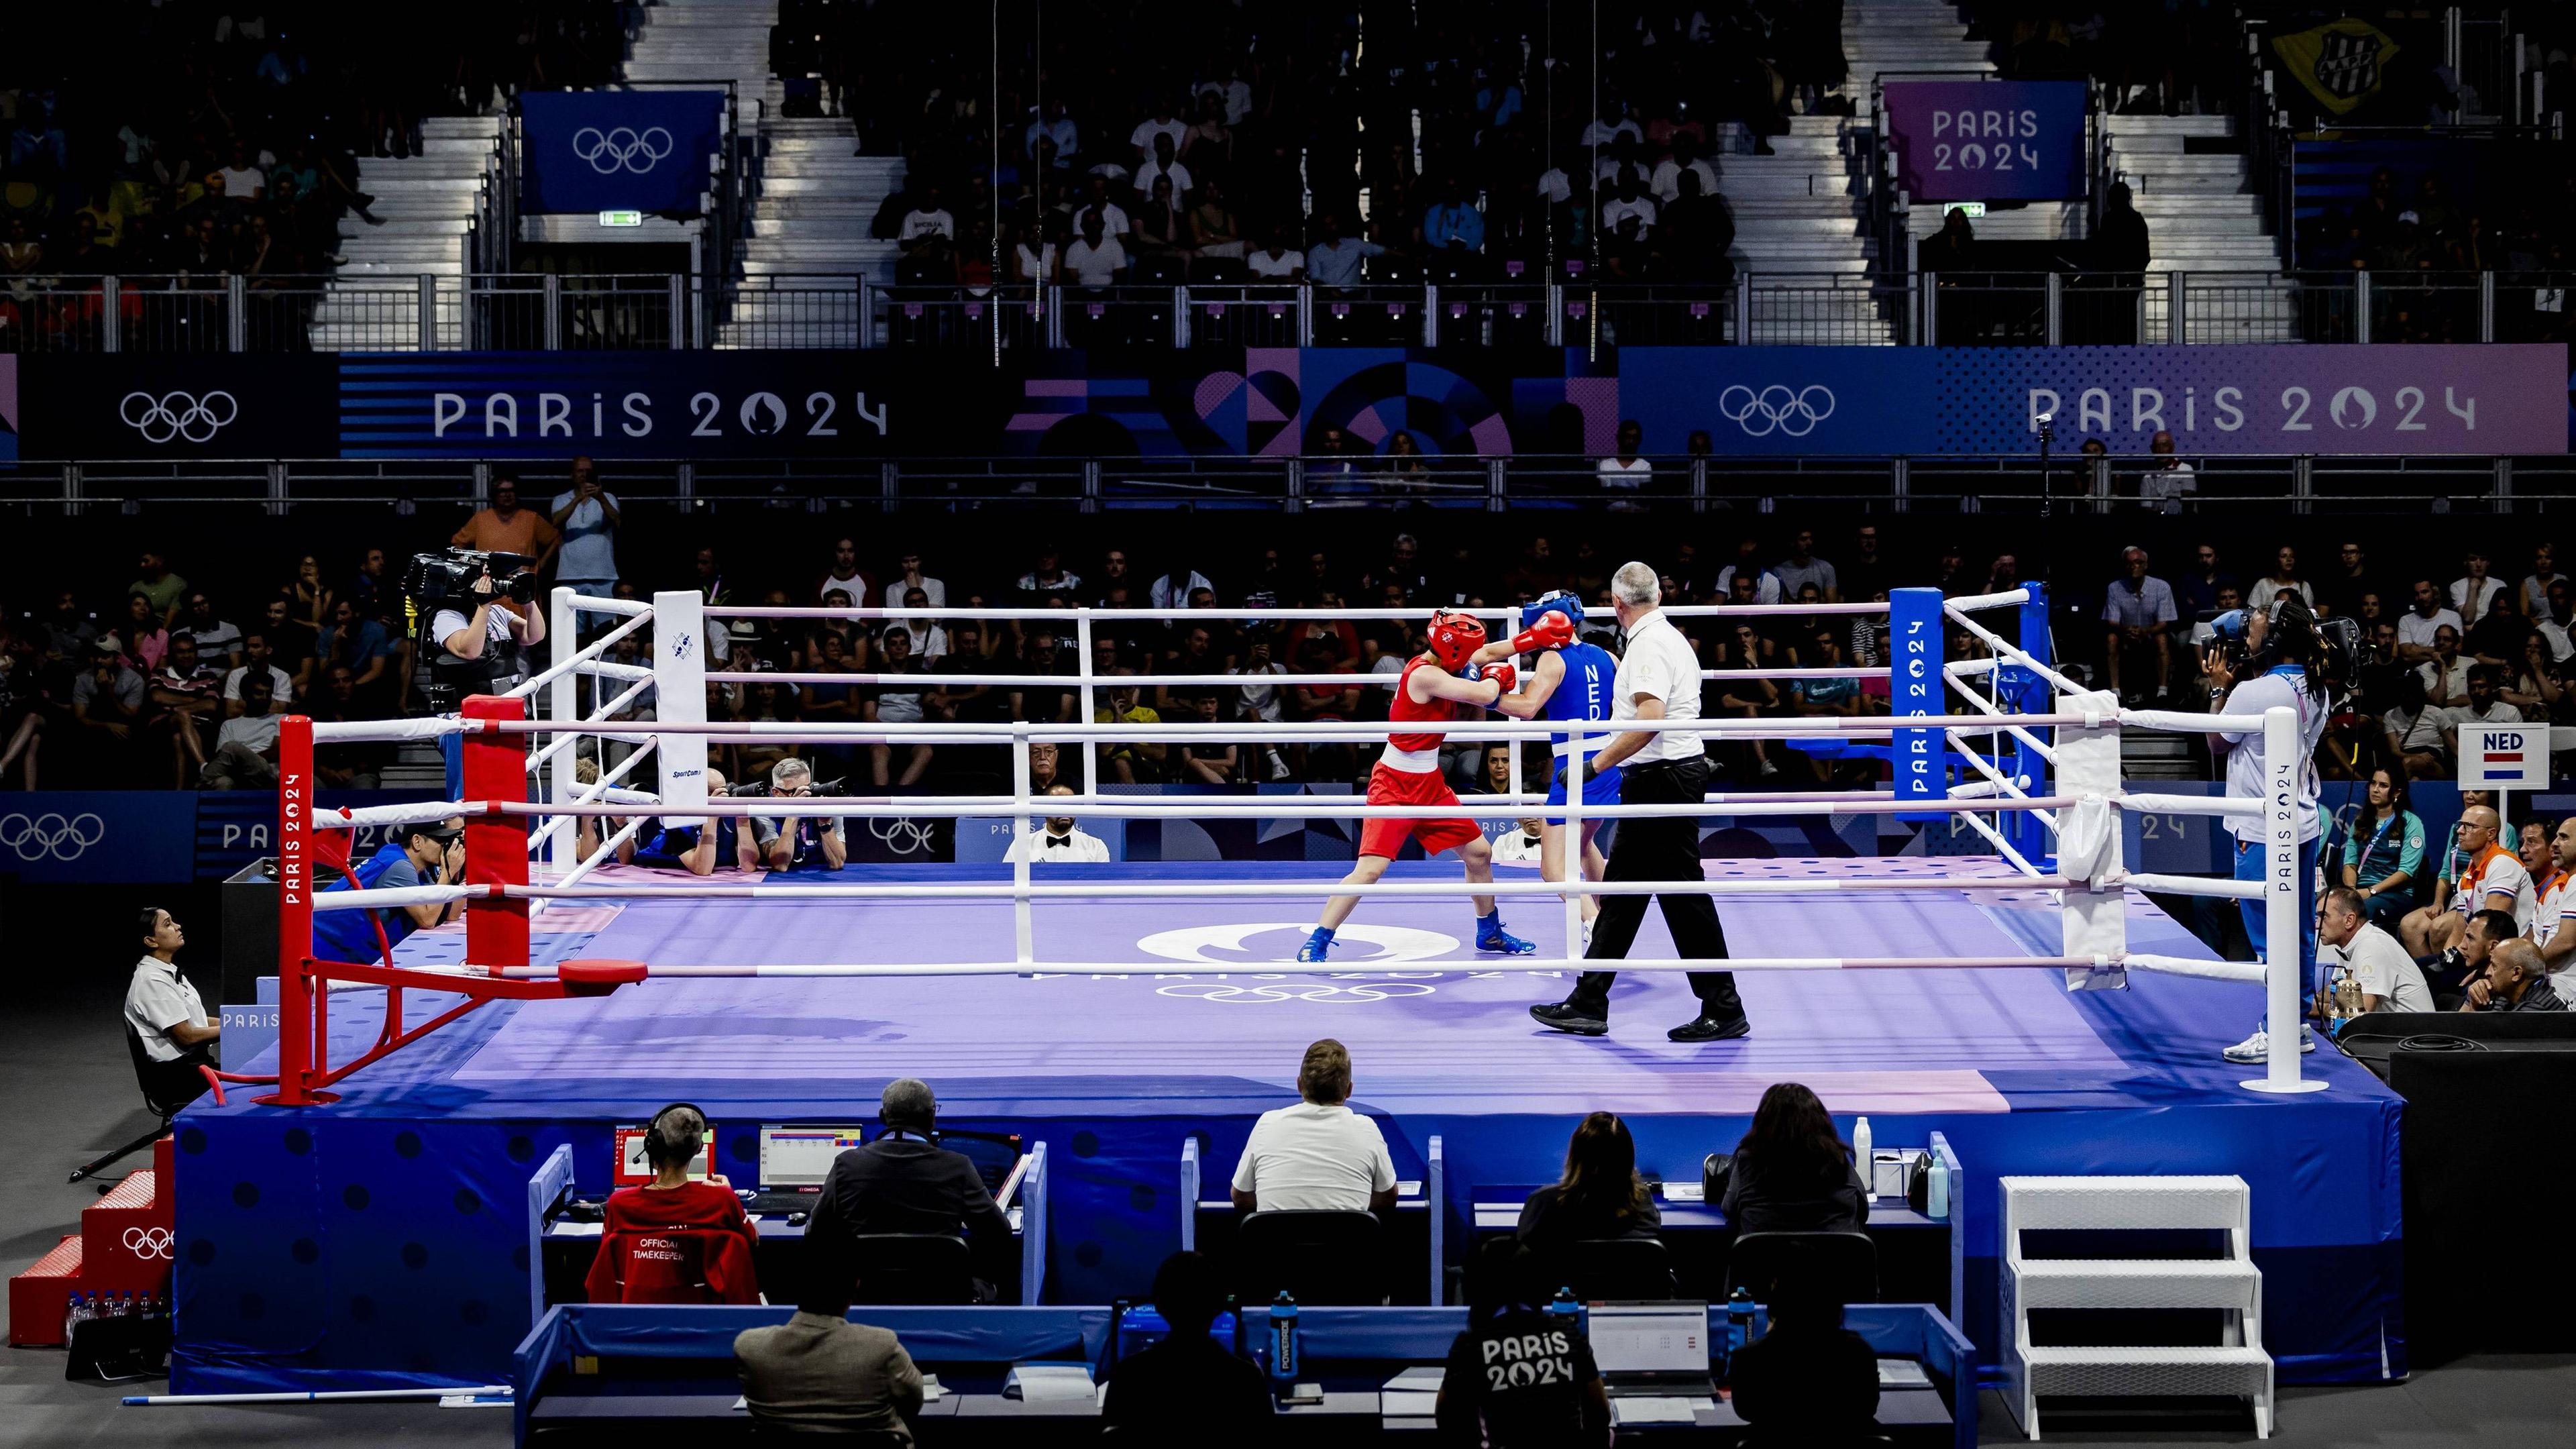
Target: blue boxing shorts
{"type": "Point", "coordinates": [1601, 789]}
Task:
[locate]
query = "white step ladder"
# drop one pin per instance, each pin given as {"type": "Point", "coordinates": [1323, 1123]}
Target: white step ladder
{"type": "Point", "coordinates": [2237, 1367]}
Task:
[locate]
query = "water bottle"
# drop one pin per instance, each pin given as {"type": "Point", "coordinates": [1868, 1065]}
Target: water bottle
{"type": "Point", "coordinates": [1739, 1321]}
{"type": "Point", "coordinates": [1936, 1189]}
{"type": "Point", "coordinates": [1565, 1311]}
{"type": "Point", "coordinates": [76, 1312]}
{"type": "Point", "coordinates": [1860, 1158]}
{"type": "Point", "coordinates": [1283, 1338]}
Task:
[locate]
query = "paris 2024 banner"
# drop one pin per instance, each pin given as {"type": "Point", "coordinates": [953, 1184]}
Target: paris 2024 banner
{"type": "Point", "coordinates": [2470, 399]}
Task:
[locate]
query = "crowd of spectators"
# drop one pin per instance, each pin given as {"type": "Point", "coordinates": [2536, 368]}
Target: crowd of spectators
{"type": "Point", "coordinates": [2468, 218]}
{"type": "Point", "coordinates": [168, 141]}
{"type": "Point", "coordinates": [1439, 141]}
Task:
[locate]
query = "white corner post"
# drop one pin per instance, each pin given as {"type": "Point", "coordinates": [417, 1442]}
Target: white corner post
{"type": "Point", "coordinates": [1023, 931]}
{"type": "Point", "coordinates": [2282, 764]}
{"type": "Point", "coordinates": [680, 697]}
{"type": "Point", "coordinates": [2095, 915]}
{"type": "Point", "coordinates": [1090, 751]}
{"type": "Point", "coordinates": [1570, 859]}
{"type": "Point", "coordinates": [563, 702]}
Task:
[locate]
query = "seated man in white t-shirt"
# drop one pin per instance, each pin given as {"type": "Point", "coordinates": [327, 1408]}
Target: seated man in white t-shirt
{"type": "Point", "coordinates": [2388, 977]}
{"type": "Point", "coordinates": [1318, 1156]}
{"type": "Point", "coordinates": [2550, 928]}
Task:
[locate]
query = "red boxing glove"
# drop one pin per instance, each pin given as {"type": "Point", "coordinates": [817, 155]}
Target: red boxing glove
{"type": "Point", "coordinates": [1552, 631]}
{"type": "Point", "coordinates": [1503, 675]}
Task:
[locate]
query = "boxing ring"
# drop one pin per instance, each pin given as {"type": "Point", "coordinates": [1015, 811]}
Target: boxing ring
{"type": "Point", "coordinates": [2030, 1003]}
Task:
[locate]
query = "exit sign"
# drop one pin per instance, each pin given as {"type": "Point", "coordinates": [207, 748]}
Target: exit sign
{"type": "Point", "coordinates": [621, 218]}
{"type": "Point", "coordinates": [1970, 209]}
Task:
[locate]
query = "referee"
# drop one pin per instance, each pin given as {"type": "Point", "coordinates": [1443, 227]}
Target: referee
{"type": "Point", "coordinates": [1658, 679]}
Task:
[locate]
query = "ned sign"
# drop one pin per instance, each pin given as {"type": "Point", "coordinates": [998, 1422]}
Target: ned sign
{"type": "Point", "coordinates": [2504, 757]}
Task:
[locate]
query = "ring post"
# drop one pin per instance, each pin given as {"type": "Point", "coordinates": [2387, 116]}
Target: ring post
{"type": "Point", "coordinates": [563, 701]}
{"type": "Point", "coordinates": [1090, 754]}
{"type": "Point", "coordinates": [1915, 637]}
{"type": "Point", "coordinates": [1023, 931]}
{"type": "Point", "coordinates": [2282, 1026]}
{"type": "Point", "coordinates": [496, 846]}
{"type": "Point", "coordinates": [1570, 855]}
{"type": "Point", "coordinates": [2030, 695]}
{"type": "Point", "coordinates": [680, 697]}
{"type": "Point", "coordinates": [294, 914]}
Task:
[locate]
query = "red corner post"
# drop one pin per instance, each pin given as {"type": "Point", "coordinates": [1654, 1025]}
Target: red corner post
{"type": "Point", "coordinates": [295, 1023]}
{"type": "Point", "coordinates": [496, 846]}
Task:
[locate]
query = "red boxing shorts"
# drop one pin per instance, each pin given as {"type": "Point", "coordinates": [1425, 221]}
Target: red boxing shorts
{"type": "Point", "coordinates": [1408, 787]}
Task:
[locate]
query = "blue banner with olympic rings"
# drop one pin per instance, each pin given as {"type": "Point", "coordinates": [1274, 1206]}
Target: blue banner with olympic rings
{"type": "Point", "coordinates": [644, 151]}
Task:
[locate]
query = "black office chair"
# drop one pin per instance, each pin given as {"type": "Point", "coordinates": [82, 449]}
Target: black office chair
{"type": "Point", "coordinates": [1621, 1269]}
{"type": "Point", "coordinates": [1847, 1262]}
{"type": "Point", "coordinates": [934, 1269]}
{"type": "Point", "coordinates": [153, 1079]}
{"type": "Point", "coordinates": [1327, 1258]}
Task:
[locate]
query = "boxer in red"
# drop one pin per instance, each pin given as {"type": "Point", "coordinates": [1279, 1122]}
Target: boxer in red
{"type": "Point", "coordinates": [1435, 683]}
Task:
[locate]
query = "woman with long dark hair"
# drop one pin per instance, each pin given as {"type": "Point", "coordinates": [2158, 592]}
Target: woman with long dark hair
{"type": "Point", "coordinates": [2383, 854]}
{"type": "Point", "coordinates": [1792, 1173]}
{"type": "Point", "coordinates": [1600, 1196]}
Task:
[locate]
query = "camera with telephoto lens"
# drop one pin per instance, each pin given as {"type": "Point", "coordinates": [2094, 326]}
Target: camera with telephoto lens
{"type": "Point", "coordinates": [447, 578]}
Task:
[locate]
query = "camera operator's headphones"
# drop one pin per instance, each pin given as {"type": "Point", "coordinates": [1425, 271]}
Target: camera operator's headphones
{"type": "Point", "coordinates": [2338, 652]}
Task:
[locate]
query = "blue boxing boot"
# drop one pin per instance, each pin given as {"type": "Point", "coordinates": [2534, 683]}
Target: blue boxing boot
{"type": "Point", "coordinates": [1317, 947]}
{"type": "Point", "coordinates": [1490, 936]}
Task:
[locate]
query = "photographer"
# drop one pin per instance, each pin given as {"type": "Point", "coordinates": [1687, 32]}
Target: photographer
{"type": "Point", "coordinates": [422, 853]}
{"type": "Point", "coordinates": [2258, 660]}
{"type": "Point", "coordinates": [481, 624]}
{"type": "Point", "coordinates": [797, 842]}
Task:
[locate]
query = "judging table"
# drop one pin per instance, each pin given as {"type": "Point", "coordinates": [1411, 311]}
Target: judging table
{"type": "Point", "coordinates": [603, 1372]}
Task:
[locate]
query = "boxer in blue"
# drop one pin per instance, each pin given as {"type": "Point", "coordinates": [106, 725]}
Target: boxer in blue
{"type": "Point", "coordinates": [1570, 683]}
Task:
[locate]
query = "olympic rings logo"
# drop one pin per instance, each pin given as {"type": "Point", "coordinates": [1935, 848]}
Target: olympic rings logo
{"type": "Point", "coordinates": [178, 415]}
{"type": "Point", "coordinates": [1792, 413]}
{"type": "Point", "coordinates": [618, 148]}
{"type": "Point", "coordinates": [1328, 994]}
{"type": "Point", "coordinates": [148, 1243]}
{"type": "Point", "coordinates": [50, 836]}
{"type": "Point", "coordinates": [903, 836]}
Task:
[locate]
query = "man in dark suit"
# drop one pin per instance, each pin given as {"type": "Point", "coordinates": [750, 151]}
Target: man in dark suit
{"type": "Point", "coordinates": [905, 1182]}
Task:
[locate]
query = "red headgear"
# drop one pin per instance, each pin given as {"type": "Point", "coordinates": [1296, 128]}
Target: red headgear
{"type": "Point", "coordinates": [1454, 636]}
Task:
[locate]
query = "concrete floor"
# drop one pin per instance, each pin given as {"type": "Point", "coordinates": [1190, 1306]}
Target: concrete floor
{"type": "Point", "coordinates": [72, 1094]}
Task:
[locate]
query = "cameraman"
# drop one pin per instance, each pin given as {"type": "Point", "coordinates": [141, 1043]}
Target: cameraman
{"type": "Point", "coordinates": [797, 842]}
{"type": "Point", "coordinates": [2261, 659]}
{"type": "Point", "coordinates": [480, 651]}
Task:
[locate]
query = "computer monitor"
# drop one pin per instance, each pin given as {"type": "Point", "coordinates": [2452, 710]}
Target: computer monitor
{"type": "Point", "coordinates": [1650, 1338]}
{"type": "Point", "coordinates": [633, 1169]}
{"type": "Point", "coordinates": [801, 1156]}
{"type": "Point", "coordinates": [993, 1153]}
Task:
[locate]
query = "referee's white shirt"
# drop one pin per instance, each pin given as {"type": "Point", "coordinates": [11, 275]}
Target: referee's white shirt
{"type": "Point", "coordinates": [158, 999]}
{"type": "Point", "coordinates": [1659, 662]}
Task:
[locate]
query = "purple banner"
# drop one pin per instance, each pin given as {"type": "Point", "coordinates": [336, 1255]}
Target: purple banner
{"type": "Point", "coordinates": [1987, 140]}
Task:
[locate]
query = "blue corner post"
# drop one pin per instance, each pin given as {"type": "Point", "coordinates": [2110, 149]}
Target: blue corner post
{"type": "Point", "coordinates": [2027, 693]}
{"type": "Point", "coordinates": [1917, 758]}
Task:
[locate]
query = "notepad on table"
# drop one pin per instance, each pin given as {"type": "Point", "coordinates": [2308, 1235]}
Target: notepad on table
{"type": "Point", "coordinates": [1646, 1410]}
{"type": "Point", "coordinates": [1050, 1383]}
{"type": "Point", "coordinates": [1412, 1394]}
{"type": "Point", "coordinates": [1902, 1373]}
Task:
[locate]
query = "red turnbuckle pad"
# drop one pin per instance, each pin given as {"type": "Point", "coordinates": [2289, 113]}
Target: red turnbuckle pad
{"type": "Point", "coordinates": [598, 976]}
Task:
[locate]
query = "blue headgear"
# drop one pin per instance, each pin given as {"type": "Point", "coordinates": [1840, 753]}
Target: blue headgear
{"type": "Point", "coordinates": [1561, 602]}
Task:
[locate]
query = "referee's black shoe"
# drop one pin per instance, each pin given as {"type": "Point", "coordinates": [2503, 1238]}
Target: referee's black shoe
{"type": "Point", "coordinates": [1705, 1027]}
{"type": "Point", "coordinates": [1568, 1017]}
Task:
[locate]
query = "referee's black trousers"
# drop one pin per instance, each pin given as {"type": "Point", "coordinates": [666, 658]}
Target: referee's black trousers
{"type": "Point", "coordinates": [1660, 849]}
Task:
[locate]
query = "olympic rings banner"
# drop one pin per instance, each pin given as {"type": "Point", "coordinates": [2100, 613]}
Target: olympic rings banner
{"type": "Point", "coordinates": [1988, 140]}
{"type": "Point", "coordinates": [2467, 399]}
{"type": "Point", "coordinates": [618, 150]}
{"type": "Point", "coordinates": [98, 837]}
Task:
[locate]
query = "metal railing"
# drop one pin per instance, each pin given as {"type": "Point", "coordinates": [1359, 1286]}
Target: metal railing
{"type": "Point", "coordinates": [2227, 486]}
{"type": "Point", "coordinates": [651, 311]}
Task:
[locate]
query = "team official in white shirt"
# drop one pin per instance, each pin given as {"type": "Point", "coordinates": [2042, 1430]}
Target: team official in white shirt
{"type": "Point", "coordinates": [1318, 1156]}
{"type": "Point", "coordinates": [2388, 977]}
{"type": "Point", "coordinates": [163, 1009]}
{"type": "Point", "coordinates": [1658, 679]}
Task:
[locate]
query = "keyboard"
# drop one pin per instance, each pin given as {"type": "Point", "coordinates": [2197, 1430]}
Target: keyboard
{"type": "Point", "coordinates": [770, 1201]}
